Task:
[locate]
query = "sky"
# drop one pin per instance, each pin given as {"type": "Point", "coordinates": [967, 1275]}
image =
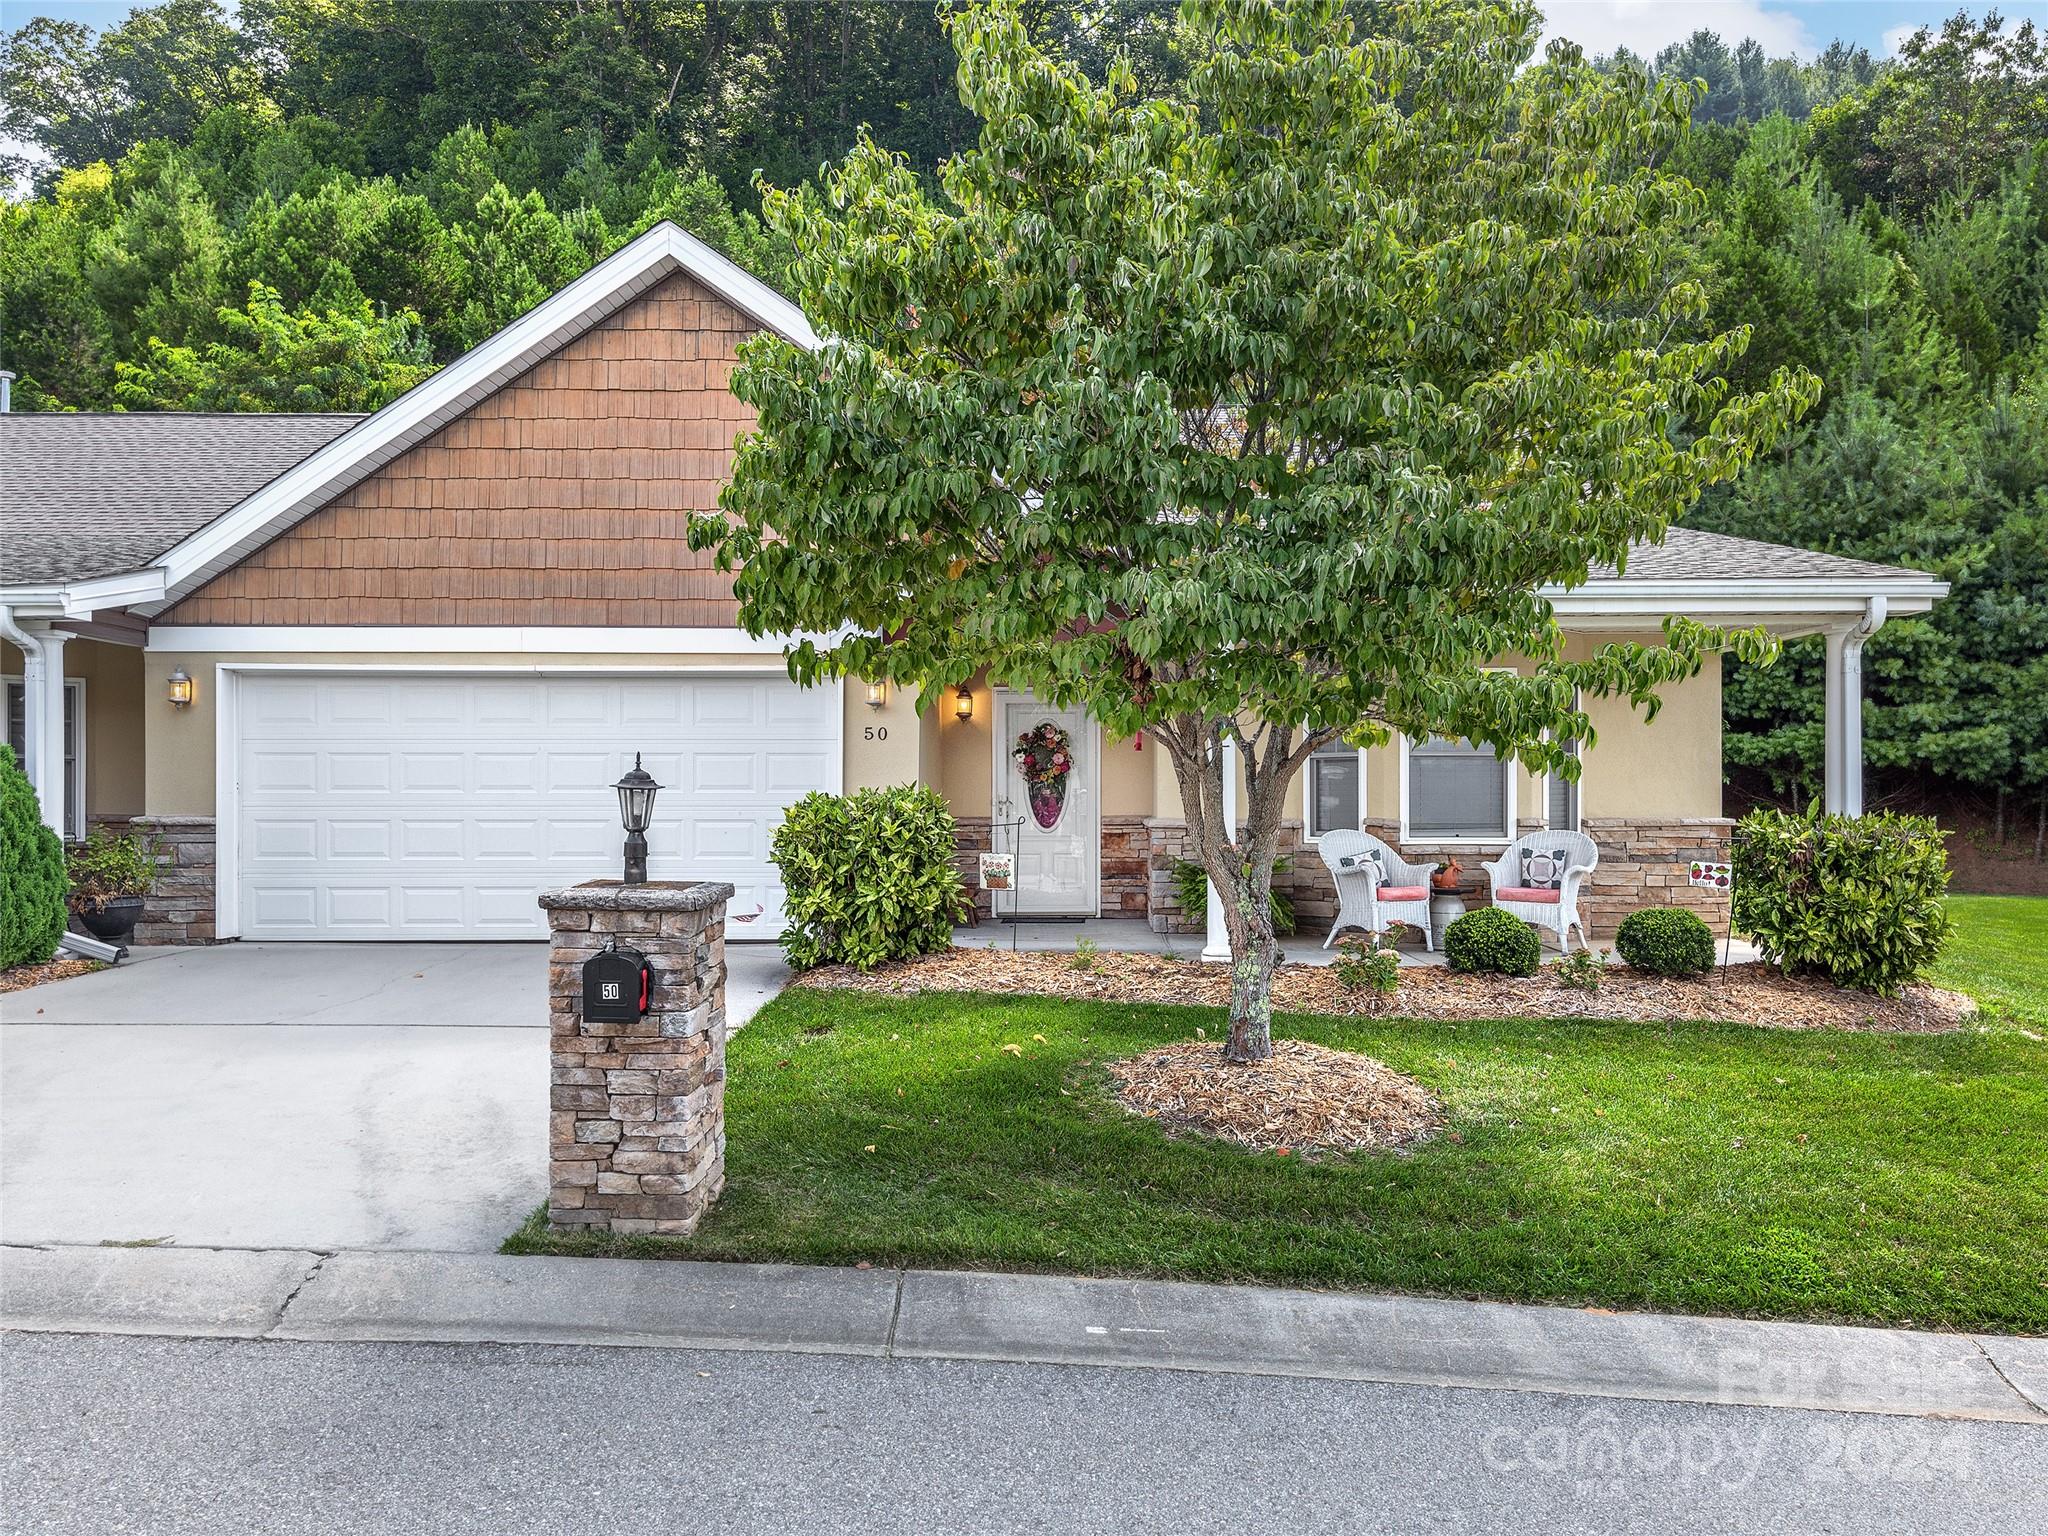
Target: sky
{"type": "Point", "coordinates": [1803, 27]}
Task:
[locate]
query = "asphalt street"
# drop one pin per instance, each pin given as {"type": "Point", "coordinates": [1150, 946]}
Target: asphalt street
{"type": "Point", "coordinates": [109, 1435]}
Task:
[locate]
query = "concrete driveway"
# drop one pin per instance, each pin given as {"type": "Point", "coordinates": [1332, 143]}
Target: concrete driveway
{"type": "Point", "coordinates": [322, 1096]}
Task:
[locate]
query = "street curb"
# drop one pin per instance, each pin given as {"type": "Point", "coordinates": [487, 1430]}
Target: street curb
{"type": "Point", "coordinates": [392, 1297]}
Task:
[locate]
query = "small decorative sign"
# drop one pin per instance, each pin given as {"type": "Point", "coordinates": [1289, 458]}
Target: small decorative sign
{"type": "Point", "coordinates": [998, 871]}
{"type": "Point", "coordinates": [1715, 877]}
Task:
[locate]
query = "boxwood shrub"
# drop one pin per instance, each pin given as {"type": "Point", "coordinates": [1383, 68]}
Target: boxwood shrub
{"type": "Point", "coordinates": [32, 883]}
{"type": "Point", "coordinates": [869, 877]}
{"type": "Point", "coordinates": [1492, 940]}
{"type": "Point", "coordinates": [1857, 899]}
{"type": "Point", "coordinates": [1667, 940]}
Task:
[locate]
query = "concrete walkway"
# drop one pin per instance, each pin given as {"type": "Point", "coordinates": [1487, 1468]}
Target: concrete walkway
{"type": "Point", "coordinates": [470, 1298]}
{"type": "Point", "coordinates": [290, 1095]}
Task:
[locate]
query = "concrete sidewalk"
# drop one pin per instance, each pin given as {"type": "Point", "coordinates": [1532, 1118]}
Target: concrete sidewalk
{"type": "Point", "coordinates": [460, 1298]}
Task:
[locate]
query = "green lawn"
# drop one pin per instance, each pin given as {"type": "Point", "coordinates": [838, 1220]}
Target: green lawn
{"type": "Point", "coordinates": [1716, 1168]}
{"type": "Point", "coordinates": [2000, 955]}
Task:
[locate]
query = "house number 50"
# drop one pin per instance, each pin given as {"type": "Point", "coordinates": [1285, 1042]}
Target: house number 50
{"type": "Point", "coordinates": [876, 733]}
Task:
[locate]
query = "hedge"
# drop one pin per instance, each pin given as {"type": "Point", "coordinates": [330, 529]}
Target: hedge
{"type": "Point", "coordinates": [32, 884]}
{"type": "Point", "coordinates": [1857, 899]}
{"type": "Point", "coordinates": [869, 877]}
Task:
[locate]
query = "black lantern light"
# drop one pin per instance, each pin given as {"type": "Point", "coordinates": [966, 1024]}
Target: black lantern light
{"type": "Point", "coordinates": [636, 809]}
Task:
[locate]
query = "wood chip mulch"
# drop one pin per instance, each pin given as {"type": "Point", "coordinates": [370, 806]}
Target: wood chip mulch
{"type": "Point", "coordinates": [1306, 1098]}
{"type": "Point", "coordinates": [1747, 994]}
{"type": "Point", "coordinates": [24, 976]}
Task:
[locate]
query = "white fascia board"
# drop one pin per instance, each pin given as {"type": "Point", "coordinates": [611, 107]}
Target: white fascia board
{"type": "Point", "coordinates": [477, 639]}
{"type": "Point", "coordinates": [82, 599]}
{"type": "Point", "coordinates": [478, 373]}
{"type": "Point", "coordinates": [1789, 590]}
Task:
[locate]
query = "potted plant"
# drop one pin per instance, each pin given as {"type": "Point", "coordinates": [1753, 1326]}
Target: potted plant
{"type": "Point", "coordinates": [110, 874]}
{"type": "Point", "coordinates": [1446, 876]}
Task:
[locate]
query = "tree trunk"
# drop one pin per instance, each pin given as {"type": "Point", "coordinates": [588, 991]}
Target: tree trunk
{"type": "Point", "coordinates": [2040, 828]}
{"type": "Point", "coordinates": [1239, 859]}
{"type": "Point", "coordinates": [1254, 956]}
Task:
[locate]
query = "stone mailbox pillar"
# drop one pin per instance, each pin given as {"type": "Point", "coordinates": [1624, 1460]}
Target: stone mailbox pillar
{"type": "Point", "coordinates": [636, 1137]}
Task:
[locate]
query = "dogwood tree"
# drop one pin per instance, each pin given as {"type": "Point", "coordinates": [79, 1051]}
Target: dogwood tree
{"type": "Point", "coordinates": [1256, 413]}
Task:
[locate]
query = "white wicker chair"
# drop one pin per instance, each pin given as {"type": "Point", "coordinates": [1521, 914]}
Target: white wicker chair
{"type": "Point", "coordinates": [1361, 879]}
{"type": "Point", "coordinates": [1559, 912]}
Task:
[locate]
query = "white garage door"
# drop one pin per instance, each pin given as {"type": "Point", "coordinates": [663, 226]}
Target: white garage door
{"type": "Point", "coordinates": [395, 806]}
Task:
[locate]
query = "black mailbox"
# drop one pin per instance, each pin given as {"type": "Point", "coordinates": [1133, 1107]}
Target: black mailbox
{"type": "Point", "coordinates": [615, 985]}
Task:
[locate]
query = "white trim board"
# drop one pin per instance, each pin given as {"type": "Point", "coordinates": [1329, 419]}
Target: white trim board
{"type": "Point", "coordinates": [480, 372]}
{"type": "Point", "coordinates": [478, 639]}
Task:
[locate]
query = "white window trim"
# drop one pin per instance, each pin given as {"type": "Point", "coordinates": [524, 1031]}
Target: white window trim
{"type": "Point", "coordinates": [1514, 772]}
{"type": "Point", "coordinates": [1550, 781]}
{"type": "Point", "coordinates": [1310, 833]}
{"type": "Point", "coordinates": [74, 795]}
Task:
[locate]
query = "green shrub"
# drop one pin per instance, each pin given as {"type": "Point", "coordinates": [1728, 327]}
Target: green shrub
{"type": "Point", "coordinates": [1086, 953]}
{"type": "Point", "coordinates": [1491, 940]}
{"type": "Point", "coordinates": [1581, 970]}
{"type": "Point", "coordinates": [1857, 899]}
{"type": "Point", "coordinates": [109, 864]}
{"type": "Point", "coordinates": [869, 877]}
{"type": "Point", "coordinates": [1667, 940]}
{"type": "Point", "coordinates": [31, 873]}
{"type": "Point", "coordinates": [1367, 964]}
{"type": "Point", "coordinates": [1191, 888]}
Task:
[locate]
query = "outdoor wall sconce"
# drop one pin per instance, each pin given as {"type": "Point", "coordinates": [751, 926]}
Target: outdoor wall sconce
{"type": "Point", "coordinates": [963, 704]}
{"type": "Point", "coordinates": [178, 688]}
{"type": "Point", "coordinates": [636, 809]}
{"type": "Point", "coordinates": [877, 695]}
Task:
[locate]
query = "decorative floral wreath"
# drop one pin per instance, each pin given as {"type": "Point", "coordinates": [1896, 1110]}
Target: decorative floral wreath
{"type": "Point", "coordinates": [1045, 755]}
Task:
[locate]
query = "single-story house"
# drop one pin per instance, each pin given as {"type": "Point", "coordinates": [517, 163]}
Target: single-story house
{"type": "Point", "coordinates": [373, 677]}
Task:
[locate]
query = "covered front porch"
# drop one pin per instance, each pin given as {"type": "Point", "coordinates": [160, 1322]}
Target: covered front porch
{"type": "Point", "coordinates": [1133, 935]}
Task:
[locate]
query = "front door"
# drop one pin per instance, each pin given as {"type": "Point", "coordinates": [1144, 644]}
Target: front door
{"type": "Point", "coordinates": [1045, 806]}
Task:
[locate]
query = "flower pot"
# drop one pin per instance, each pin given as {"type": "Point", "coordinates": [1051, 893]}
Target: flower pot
{"type": "Point", "coordinates": [114, 919]}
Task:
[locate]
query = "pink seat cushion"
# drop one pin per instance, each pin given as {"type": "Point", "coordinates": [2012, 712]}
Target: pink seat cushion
{"type": "Point", "coordinates": [1403, 892]}
{"type": "Point", "coordinates": [1526, 893]}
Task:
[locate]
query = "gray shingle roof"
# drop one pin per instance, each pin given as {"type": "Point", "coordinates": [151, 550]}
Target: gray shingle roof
{"type": "Point", "coordinates": [94, 495]}
{"type": "Point", "coordinates": [1693, 554]}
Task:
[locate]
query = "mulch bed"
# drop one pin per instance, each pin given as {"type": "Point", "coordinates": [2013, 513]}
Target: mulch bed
{"type": "Point", "coordinates": [1306, 1098]}
{"type": "Point", "coordinates": [23, 976]}
{"type": "Point", "coordinates": [1748, 994]}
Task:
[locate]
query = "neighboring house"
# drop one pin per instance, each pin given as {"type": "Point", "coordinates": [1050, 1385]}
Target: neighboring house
{"type": "Point", "coordinates": [422, 644]}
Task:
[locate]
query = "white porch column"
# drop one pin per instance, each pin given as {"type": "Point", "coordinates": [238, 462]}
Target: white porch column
{"type": "Point", "coordinates": [1217, 947]}
{"type": "Point", "coordinates": [1831, 751]}
{"type": "Point", "coordinates": [42, 659]}
{"type": "Point", "coordinates": [54, 784]}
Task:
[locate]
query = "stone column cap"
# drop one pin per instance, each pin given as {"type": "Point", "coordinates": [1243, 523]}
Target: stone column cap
{"type": "Point", "coordinates": [654, 896]}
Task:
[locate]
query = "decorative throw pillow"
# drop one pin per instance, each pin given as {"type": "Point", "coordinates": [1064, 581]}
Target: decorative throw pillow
{"type": "Point", "coordinates": [1367, 863]}
{"type": "Point", "coordinates": [1543, 868]}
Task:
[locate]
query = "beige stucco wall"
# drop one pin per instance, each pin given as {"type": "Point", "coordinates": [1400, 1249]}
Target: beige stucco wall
{"type": "Point", "coordinates": [1671, 768]}
{"type": "Point", "coordinates": [114, 715]}
{"type": "Point", "coordinates": [1668, 768]}
{"type": "Point", "coordinates": [180, 766]}
{"type": "Point", "coordinates": [960, 759]}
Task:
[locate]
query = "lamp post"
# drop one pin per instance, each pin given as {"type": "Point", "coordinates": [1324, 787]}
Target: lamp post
{"type": "Point", "coordinates": [636, 809]}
